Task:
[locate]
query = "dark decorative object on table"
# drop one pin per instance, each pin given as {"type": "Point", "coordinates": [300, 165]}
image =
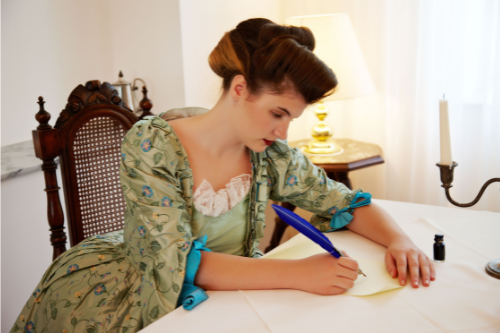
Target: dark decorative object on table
{"type": "Point", "coordinates": [439, 248]}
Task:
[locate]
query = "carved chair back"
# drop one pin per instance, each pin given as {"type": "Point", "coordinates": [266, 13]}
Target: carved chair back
{"type": "Point", "coordinates": [86, 138]}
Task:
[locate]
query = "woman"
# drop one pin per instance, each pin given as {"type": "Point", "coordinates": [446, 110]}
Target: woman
{"type": "Point", "coordinates": [196, 185]}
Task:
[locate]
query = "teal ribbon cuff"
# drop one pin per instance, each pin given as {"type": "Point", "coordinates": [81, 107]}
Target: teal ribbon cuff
{"type": "Point", "coordinates": [192, 295]}
{"type": "Point", "coordinates": [344, 216]}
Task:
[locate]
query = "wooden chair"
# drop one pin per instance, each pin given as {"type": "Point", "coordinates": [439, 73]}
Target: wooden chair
{"type": "Point", "coordinates": [86, 138]}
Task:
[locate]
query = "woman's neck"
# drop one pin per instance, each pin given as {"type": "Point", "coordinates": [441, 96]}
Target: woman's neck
{"type": "Point", "coordinates": [216, 133]}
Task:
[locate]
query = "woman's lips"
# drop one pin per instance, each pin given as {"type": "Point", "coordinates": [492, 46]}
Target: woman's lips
{"type": "Point", "coordinates": [268, 142]}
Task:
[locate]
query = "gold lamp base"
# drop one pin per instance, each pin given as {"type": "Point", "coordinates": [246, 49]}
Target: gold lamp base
{"type": "Point", "coordinates": [322, 144]}
{"type": "Point", "coordinates": [322, 147]}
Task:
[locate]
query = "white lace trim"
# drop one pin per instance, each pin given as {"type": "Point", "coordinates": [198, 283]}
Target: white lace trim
{"type": "Point", "coordinates": [210, 203]}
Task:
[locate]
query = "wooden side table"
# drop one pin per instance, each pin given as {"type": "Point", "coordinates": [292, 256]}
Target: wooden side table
{"type": "Point", "coordinates": [355, 155]}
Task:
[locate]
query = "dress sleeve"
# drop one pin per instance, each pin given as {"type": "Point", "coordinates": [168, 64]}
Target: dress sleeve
{"type": "Point", "coordinates": [157, 232]}
{"type": "Point", "coordinates": [294, 178]}
{"type": "Point", "coordinates": [192, 295]}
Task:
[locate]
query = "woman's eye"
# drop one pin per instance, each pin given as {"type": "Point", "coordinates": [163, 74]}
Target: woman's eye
{"type": "Point", "coordinates": [276, 115]}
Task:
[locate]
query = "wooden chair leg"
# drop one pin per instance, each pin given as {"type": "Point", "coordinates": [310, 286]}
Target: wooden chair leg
{"type": "Point", "coordinates": [54, 209]}
{"type": "Point", "coordinates": [341, 177]}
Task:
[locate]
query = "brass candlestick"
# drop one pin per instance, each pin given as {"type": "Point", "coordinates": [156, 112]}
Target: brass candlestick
{"type": "Point", "coordinates": [493, 267]}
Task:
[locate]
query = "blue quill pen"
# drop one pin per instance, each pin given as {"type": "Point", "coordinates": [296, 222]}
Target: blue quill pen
{"type": "Point", "coordinates": [308, 230]}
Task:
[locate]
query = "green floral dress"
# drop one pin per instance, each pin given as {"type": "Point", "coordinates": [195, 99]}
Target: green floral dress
{"type": "Point", "coordinates": [124, 281]}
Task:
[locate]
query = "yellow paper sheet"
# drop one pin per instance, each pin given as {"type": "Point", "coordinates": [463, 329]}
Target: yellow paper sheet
{"type": "Point", "coordinates": [377, 279]}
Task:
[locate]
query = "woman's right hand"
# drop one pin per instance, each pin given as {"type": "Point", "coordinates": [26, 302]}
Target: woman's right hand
{"type": "Point", "coordinates": [323, 274]}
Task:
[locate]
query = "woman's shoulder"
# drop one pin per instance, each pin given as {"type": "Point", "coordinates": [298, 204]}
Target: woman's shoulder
{"type": "Point", "coordinates": [149, 129]}
{"type": "Point", "coordinates": [161, 121]}
{"type": "Point", "coordinates": [185, 112]}
{"type": "Point", "coordinates": [152, 140]}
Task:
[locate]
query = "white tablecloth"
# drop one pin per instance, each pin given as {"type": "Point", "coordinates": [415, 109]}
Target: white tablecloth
{"type": "Point", "coordinates": [462, 299]}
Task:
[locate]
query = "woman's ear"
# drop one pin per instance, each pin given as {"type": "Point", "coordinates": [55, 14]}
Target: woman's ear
{"type": "Point", "coordinates": [238, 90]}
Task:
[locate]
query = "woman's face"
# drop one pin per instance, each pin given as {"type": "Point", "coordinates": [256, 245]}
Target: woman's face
{"type": "Point", "coordinates": [267, 117]}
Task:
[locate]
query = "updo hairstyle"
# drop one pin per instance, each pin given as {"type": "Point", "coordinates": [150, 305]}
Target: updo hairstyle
{"type": "Point", "coordinates": [272, 57]}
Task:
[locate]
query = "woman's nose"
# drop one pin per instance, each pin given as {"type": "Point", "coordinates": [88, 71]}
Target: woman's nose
{"type": "Point", "coordinates": [281, 132]}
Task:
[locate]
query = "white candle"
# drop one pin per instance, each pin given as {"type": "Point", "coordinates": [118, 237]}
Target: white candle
{"type": "Point", "coordinates": [444, 125]}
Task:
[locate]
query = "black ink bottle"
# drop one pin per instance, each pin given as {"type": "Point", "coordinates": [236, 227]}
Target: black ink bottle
{"type": "Point", "coordinates": [439, 249]}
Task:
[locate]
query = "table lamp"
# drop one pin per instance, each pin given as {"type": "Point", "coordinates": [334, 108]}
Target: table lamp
{"type": "Point", "coordinates": [338, 47]}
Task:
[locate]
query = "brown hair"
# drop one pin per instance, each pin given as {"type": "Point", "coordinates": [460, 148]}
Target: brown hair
{"type": "Point", "coordinates": [274, 57]}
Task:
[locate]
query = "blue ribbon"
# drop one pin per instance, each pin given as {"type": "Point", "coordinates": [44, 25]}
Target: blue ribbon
{"type": "Point", "coordinates": [192, 295]}
{"type": "Point", "coordinates": [344, 216]}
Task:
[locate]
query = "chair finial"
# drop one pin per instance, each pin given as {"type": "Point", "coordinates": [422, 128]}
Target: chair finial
{"type": "Point", "coordinates": [42, 116]}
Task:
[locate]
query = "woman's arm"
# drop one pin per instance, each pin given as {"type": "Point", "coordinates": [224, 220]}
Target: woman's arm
{"type": "Point", "coordinates": [295, 179]}
{"type": "Point", "coordinates": [375, 223]}
{"type": "Point", "coordinates": [320, 274]}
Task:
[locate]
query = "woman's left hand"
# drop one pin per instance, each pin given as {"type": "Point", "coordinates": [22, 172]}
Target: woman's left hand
{"type": "Point", "coordinates": [402, 254]}
{"type": "Point", "coordinates": [375, 223]}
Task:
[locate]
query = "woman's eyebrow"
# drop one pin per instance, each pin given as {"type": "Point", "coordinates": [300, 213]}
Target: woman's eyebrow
{"type": "Point", "coordinates": [283, 109]}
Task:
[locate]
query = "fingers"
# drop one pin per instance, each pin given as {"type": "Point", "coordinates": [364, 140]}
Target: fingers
{"type": "Point", "coordinates": [425, 271]}
{"type": "Point", "coordinates": [348, 263]}
{"type": "Point", "coordinates": [413, 265]}
{"type": "Point", "coordinates": [344, 283]}
{"type": "Point", "coordinates": [390, 265]}
{"type": "Point", "coordinates": [347, 273]}
{"type": "Point", "coordinates": [336, 291]}
{"type": "Point", "coordinates": [412, 262]}
{"type": "Point", "coordinates": [432, 269]}
{"type": "Point", "coordinates": [401, 268]}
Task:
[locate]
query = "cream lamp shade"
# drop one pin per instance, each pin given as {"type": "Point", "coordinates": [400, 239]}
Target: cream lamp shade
{"type": "Point", "coordinates": [338, 47]}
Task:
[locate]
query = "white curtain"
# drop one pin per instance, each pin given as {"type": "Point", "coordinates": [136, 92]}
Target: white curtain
{"type": "Point", "coordinates": [418, 50]}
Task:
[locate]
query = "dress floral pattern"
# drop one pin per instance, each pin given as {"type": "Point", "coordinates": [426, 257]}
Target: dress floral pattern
{"type": "Point", "coordinates": [123, 281]}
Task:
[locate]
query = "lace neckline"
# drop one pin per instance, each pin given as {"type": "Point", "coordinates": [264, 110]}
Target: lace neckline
{"type": "Point", "coordinates": [211, 203]}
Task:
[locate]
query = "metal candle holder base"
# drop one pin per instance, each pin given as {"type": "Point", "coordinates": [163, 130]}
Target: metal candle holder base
{"type": "Point", "coordinates": [493, 267]}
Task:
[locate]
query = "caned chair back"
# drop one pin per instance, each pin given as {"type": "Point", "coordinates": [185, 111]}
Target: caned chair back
{"type": "Point", "coordinates": [86, 138]}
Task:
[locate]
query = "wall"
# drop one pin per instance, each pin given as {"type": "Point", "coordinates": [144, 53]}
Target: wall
{"type": "Point", "coordinates": [51, 46]}
{"type": "Point", "coordinates": [146, 44]}
{"type": "Point", "coordinates": [203, 23]}
{"type": "Point", "coordinates": [24, 229]}
{"type": "Point", "coordinates": [48, 48]}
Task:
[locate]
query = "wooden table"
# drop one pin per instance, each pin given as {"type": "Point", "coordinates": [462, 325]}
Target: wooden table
{"type": "Point", "coordinates": [355, 155]}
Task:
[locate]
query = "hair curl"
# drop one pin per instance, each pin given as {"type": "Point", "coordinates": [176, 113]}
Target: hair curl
{"type": "Point", "coordinates": [272, 57]}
